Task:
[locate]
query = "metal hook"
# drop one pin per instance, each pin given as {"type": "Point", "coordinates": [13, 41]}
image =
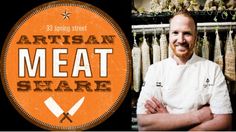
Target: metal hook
{"type": "Point", "coordinates": [224, 15]}
{"type": "Point", "coordinates": [216, 29]}
{"type": "Point", "coordinates": [205, 34]}
{"type": "Point", "coordinates": [162, 30]}
{"type": "Point", "coordinates": [209, 12]}
{"type": "Point", "coordinates": [144, 35]}
{"type": "Point", "coordinates": [135, 42]}
{"type": "Point", "coordinates": [155, 33]}
{"type": "Point", "coordinates": [204, 29]}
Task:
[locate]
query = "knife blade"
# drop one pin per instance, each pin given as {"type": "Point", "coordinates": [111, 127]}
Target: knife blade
{"type": "Point", "coordinates": [76, 106]}
{"type": "Point", "coordinates": [53, 107]}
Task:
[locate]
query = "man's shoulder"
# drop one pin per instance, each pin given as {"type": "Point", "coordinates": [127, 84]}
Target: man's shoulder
{"type": "Point", "coordinates": [206, 63]}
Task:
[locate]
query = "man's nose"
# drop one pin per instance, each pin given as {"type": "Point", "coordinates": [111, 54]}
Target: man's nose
{"type": "Point", "coordinates": [181, 38]}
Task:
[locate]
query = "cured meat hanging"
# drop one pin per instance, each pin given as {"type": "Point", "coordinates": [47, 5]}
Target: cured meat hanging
{"type": "Point", "coordinates": [163, 45]}
{"type": "Point", "coordinates": [218, 58]}
{"type": "Point", "coordinates": [230, 58]}
{"type": "Point", "coordinates": [197, 47]}
{"type": "Point", "coordinates": [170, 51]}
{"type": "Point", "coordinates": [205, 46]}
{"type": "Point", "coordinates": [156, 49]}
{"type": "Point", "coordinates": [136, 59]}
{"type": "Point", "coordinates": [235, 44]}
{"type": "Point", "coordinates": [145, 56]}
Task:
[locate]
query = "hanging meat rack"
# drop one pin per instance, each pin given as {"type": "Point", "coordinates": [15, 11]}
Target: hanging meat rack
{"type": "Point", "coordinates": [208, 26]}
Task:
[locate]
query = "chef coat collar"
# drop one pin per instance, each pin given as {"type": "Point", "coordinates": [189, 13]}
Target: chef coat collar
{"type": "Point", "coordinates": [190, 61]}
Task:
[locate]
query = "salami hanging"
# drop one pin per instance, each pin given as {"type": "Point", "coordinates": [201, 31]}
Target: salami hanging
{"type": "Point", "coordinates": [205, 46]}
{"type": "Point", "coordinates": [163, 45]}
{"type": "Point", "coordinates": [197, 46]}
{"type": "Point", "coordinates": [145, 57]}
{"type": "Point", "coordinates": [218, 58]}
{"type": "Point", "coordinates": [235, 43]}
{"type": "Point", "coordinates": [230, 58]}
{"type": "Point", "coordinates": [136, 59]}
{"type": "Point", "coordinates": [156, 49]}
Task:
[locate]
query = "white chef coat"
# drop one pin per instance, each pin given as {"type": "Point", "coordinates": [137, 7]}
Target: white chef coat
{"type": "Point", "coordinates": [185, 88]}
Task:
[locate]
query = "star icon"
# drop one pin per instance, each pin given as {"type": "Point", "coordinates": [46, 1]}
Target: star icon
{"type": "Point", "coordinates": [66, 15]}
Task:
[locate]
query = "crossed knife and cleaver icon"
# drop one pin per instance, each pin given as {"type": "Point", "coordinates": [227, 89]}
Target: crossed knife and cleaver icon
{"type": "Point", "coordinates": [57, 110]}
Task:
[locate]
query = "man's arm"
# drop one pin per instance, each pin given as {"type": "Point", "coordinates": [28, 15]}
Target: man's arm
{"type": "Point", "coordinates": [219, 103]}
{"type": "Point", "coordinates": [159, 119]}
{"type": "Point", "coordinates": [219, 122]}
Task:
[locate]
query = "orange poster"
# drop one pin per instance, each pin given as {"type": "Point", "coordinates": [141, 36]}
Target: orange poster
{"type": "Point", "coordinates": [66, 66]}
